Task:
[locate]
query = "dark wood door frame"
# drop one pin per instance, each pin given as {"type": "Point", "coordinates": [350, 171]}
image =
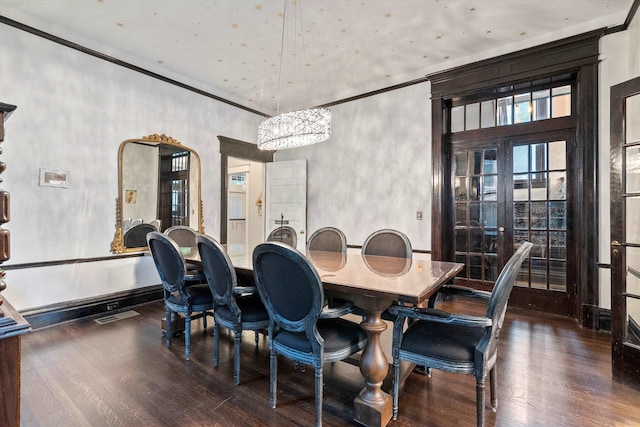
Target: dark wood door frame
{"type": "Point", "coordinates": [230, 147]}
{"type": "Point", "coordinates": [577, 56]}
{"type": "Point", "coordinates": [625, 358]}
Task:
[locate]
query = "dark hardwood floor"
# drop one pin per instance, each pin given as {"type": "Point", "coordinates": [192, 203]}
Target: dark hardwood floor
{"type": "Point", "coordinates": [550, 373]}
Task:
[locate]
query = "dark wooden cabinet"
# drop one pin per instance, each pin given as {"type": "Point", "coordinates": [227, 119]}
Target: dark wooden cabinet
{"type": "Point", "coordinates": [12, 324]}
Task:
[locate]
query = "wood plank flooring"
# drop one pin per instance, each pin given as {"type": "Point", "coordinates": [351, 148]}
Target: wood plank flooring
{"type": "Point", "coordinates": [550, 373]}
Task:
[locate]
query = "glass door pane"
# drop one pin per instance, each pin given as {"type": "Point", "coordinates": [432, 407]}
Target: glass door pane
{"type": "Point", "coordinates": [540, 212]}
{"type": "Point", "coordinates": [476, 208]}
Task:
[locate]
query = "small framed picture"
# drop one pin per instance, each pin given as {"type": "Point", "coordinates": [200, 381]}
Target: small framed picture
{"type": "Point", "coordinates": [130, 197]}
{"type": "Point", "coordinates": [54, 178]}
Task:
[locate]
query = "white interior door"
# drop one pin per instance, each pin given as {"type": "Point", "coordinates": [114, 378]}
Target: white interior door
{"type": "Point", "coordinates": [286, 198]}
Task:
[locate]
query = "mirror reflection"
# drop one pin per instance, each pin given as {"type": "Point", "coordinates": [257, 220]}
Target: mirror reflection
{"type": "Point", "coordinates": [158, 188]}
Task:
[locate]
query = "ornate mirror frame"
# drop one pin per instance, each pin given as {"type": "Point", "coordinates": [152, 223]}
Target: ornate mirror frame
{"type": "Point", "coordinates": [117, 245]}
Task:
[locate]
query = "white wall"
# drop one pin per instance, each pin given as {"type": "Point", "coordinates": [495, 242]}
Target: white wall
{"type": "Point", "coordinates": [620, 61]}
{"type": "Point", "coordinates": [73, 112]}
{"type": "Point", "coordinates": [375, 170]}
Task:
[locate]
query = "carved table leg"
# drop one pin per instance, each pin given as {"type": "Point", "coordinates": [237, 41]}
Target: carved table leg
{"type": "Point", "coordinates": [372, 406]}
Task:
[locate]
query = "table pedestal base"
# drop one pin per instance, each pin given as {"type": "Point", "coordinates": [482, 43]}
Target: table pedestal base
{"type": "Point", "coordinates": [377, 415]}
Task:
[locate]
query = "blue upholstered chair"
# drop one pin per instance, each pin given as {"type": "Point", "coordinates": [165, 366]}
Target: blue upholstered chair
{"type": "Point", "coordinates": [185, 237]}
{"type": "Point", "coordinates": [178, 298]}
{"type": "Point", "coordinates": [327, 239]}
{"type": "Point", "coordinates": [292, 292]}
{"type": "Point", "coordinates": [234, 307]}
{"type": "Point", "coordinates": [457, 343]}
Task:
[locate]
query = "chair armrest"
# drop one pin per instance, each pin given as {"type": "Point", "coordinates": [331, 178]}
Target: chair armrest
{"type": "Point", "coordinates": [463, 291]}
{"type": "Point", "coordinates": [339, 311]}
{"type": "Point", "coordinates": [439, 316]}
{"type": "Point", "coordinates": [240, 290]}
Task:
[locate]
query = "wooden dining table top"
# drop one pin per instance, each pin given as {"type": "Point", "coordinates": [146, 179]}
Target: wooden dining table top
{"type": "Point", "coordinates": [404, 280]}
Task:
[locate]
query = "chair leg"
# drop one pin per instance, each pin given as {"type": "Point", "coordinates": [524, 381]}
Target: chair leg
{"type": "Point", "coordinates": [480, 402]}
{"type": "Point", "coordinates": [273, 377]}
{"type": "Point", "coordinates": [167, 323]}
{"type": "Point", "coordinates": [319, 388]}
{"type": "Point", "coordinates": [493, 374]}
{"type": "Point", "coordinates": [396, 385]}
{"type": "Point", "coordinates": [236, 356]}
{"type": "Point", "coordinates": [216, 344]}
{"type": "Point", "coordinates": [256, 337]}
{"type": "Point", "coordinates": [204, 322]}
{"type": "Point", "coordinates": [187, 336]}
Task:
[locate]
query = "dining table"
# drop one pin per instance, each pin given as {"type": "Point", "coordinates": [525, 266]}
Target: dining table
{"type": "Point", "coordinates": [373, 283]}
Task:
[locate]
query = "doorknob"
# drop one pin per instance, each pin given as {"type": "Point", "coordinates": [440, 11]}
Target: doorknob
{"type": "Point", "coordinates": [615, 245]}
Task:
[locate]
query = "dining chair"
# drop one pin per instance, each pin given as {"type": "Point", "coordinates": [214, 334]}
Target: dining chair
{"type": "Point", "coordinates": [185, 237]}
{"type": "Point", "coordinates": [327, 239]}
{"type": "Point", "coordinates": [178, 298]}
{"type": "Point", "coordinates": [156, 223]}
{"type": "Point", "coordinates": [136, 221]}
{"type": "Point", "coordinates": [292, 292]}
{"type": "Point", "coordinates": [284, 234]}
{"type": "Point", "coordinates": [235, 308]}
{"type": "Point", "coordinates": [457, 343]}
{"type": "Point", "coordinates": [136, 235]}
{"type": "Point", "coordinates": [387, 242]}
{"type": "Point", "coordinates": [126, 223]}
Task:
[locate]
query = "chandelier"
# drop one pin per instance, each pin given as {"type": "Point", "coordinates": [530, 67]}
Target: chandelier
{"type": "Point", "coordinates": [295, 128]}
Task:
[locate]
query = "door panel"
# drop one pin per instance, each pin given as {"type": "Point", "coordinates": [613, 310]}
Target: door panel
{"type": "Point", "coordinates": [625, 231]}
{"type": "Point", "coordinates": [287, 198]}
{"type": "Point", "coordinates": [507, 191]}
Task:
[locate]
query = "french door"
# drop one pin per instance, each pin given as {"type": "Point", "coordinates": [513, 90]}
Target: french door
{"type": "Point", "coordinates": [507, 191]}
{"type": "Point", "coordinates": [625, 231]}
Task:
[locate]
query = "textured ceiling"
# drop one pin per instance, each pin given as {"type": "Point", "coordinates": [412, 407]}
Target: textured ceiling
{"type": "Point", "coordinates": [231, 48]}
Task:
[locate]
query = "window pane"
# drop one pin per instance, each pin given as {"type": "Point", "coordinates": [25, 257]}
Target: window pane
{"type": "Point", "coordinates": [539, 273]}
{"type": "Point", "coordinates": [474, 214]}
{"type": "Point", "coordinates": [460, 165]}
{"type": "Point", "coordinates": [539, 186]}
{"type": "Point", "coordinates": [561, 101]}
{"type": "Point", "coordinates": [461, 240]}
{"type": "Point", "coordinates": [472, 119]}
{"type": "Point", "coordinates": [632, 123]}
{"type": "Point", "coordinates": [633, 219]}
{"type": "Point", "coordinates": [491, 269]}
{"type": "Point", "coordinates": [557, 186]}
{"type": "Point", "coordinates": [557, 155]}
{"type": "Point", "coordinates": [521, 187]}
{"type": "Point", "coordinates": [522, 108]}
{"type": "Point", "coordinates": [538, 215]}
{"type": "Point", "coordinates": [491, 161]}
{"type": "Point", "coordinates": [558, 245]}
{"type": "Point", "coordinates": [461, 214]}
{"type": "Point", "coordinates": [461, 188]}
{"type": "Point", "coordinates": [538, 157]}
{"type": "Point", "coordinates": [521, 159]}
{"type": "Point", "coordinates": [541, 102]}
{"type": "Point", "coordinates": [488, 114]}
{"type": "Point", "coordinates": [475, 188]}
{"type": "Point", "coordinates": [521, 217]}
{"type": "Point", "coordinates": [632, 169]}
{"type": "Point", "coordinates": [477, 163]}
{"type": "Point", "coordinates": [557, 275]}
{"type": "Point", "coordinates": [489, 184]}
{"type": "Point", "coordinates": [558, 215]}
{"type": "Point", "coordinates": [490, 212]}
{"type": "Point", "coordinates": [504, 112]}
{"type": "Point", "coordinates": [457, 119]}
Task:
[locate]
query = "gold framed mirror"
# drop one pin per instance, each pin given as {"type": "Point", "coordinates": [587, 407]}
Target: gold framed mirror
{"type": "Point", "coordinates": [158, 187]}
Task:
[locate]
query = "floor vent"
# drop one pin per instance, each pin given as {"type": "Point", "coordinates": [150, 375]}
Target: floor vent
{"type": "Point", "coordinates": [117, 316]}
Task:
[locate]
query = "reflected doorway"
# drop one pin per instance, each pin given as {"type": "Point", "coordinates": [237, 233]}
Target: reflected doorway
{"type": "Point", "coordinates": [245, 218]}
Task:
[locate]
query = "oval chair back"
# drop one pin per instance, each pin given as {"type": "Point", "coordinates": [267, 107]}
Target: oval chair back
{"type": "Point", "coordinates": [328, 239]}
{"type": "Point", "coordinates": [284, 234]}
{"type": "Point", "coordinates": [387, 242]}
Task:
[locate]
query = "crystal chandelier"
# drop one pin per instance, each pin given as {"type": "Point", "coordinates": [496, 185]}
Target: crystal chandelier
{"type": "Point", "coordinates": [295, 128]}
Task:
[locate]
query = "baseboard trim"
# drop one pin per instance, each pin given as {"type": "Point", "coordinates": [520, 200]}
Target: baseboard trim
{"type": "Point", "coordinates": [604, 320]}
{"type": "Point", "coordinates": [54, 314]}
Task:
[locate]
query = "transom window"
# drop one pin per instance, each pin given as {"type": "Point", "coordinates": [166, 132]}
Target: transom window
{"type": "Point", "coordinates": [521, 106]}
